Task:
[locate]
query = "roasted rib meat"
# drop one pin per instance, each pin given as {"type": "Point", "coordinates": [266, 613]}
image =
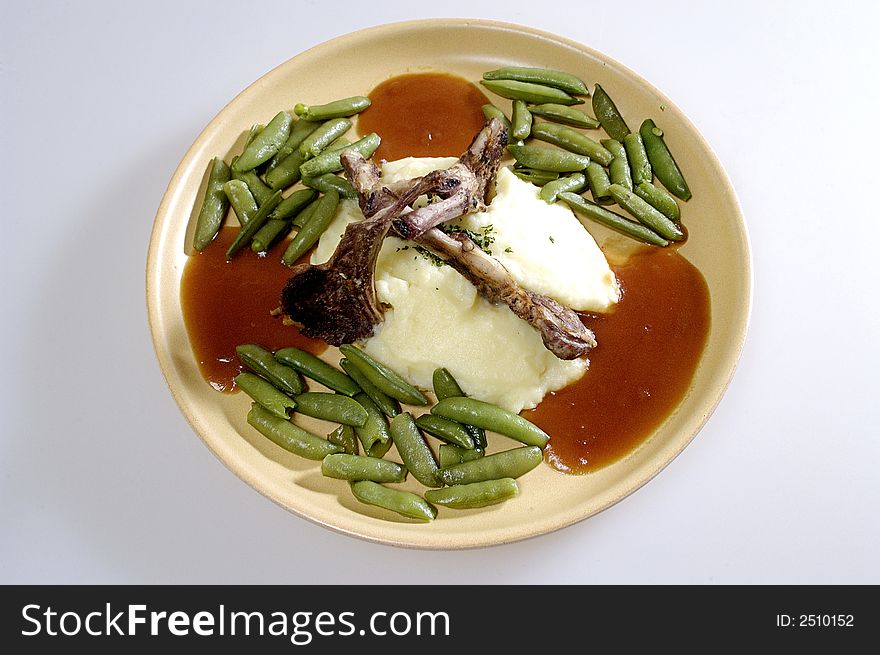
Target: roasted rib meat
{"type": "Point", "coordinates": [336, 300]}
{"type": "Point", "coordinates": [462, 187]}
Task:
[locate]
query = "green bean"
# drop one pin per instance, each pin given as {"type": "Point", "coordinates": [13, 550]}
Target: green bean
{"type": "Point", "coordinates": [329, 161]}
{"type": "Point", "coordinates": [259, 190]}
{"type": "Point", "coordinates": [529, 92]}
{"type": "Point", "coordinates": [403, 502]}
{"type": "Point", "coordinates": [608, 115]}
{"type": "Point", "coordinates": [317, 369]}
{"type": "Point", "coordinates": [362, 467]}
{"type": "Point", "coordinates": [265, 144]}
{"type": "Point", "coordinates": [506, 464]}
{"type": "Point", "coordinates": [611, 220]}
{"type": "Point", "coordinates": [491, 417]}
{"type": "Point", "coordinates": [645, 213]}
{"type": "Point", "coordinates": [388, 406]}
{"type": "Point", "coordinates": [265, 394]}
{"type": "Point", "coordinates": [331, 407]}
{"type": "Point", "coordinates": [660, 199]}
{"type": "Point", "coordinates": [267, 235]}
{"type": "Point", "coordinates": [490, 111]}
{"type": "Point", "coordinates": [414, 450]}
{"type": "Point", "coordinates": [241, 199]}
{"type": "Point", "coordinates": [300, 130]}
{"type": "Point", "coordinates": [286, 172]}
{"type": "Point", "coordinates": [661, 159]}
{"type": "Point", "coordinates": [446, 386]}
{"type": "Point", "coordinates": [618, 169]}
{"type": "Point", "coordinates": [565, 115]}
{"type": "Point", "coordinates": [451, 454]}
{"type": "Point", "coordinates": [638, 159]}
{"type": "Point", "coordinates": [549, 159]}
{"type": "Point", "coordinates": [473, 495]}
{"type": "Point", "coordinates": [534, 175]}
{"type": "Point", "coordinates": [215, 205]}
{"type": "Point", "coordinates": [263, 363]}
{"type": "Point", "coordinates": [326, 134]}
{"type": "Point", "coordinates": [327, 181]}
{"type": "Point", "coordinates": [572, 140]}
{"type": "Point", "coordinates": [337, 109]}
{"type": "Point", "coordinates": [290, 436]}
{"type": "Point", "coordinates": [345, 437]}
{"type": "Point", "coordinates": [309, 233]}
{"type": "Point", "coordinates": [442, 428]}
{"type": "Point", "coordinates": [574, 183]}
{"type": "Point", "coordinates": [597, 180]}
{"type": "Point", "coordinates": [247, 232]}
{"type": "Point", "coordinates": [374, 433]}
{"type": "Point", "coordinates": [293, 204]}
{"type": "Point", "coordinates": [557, 79]}
{"type": "Point", "coordinates": [383, 377]}
{"type": "Point", "coordinates": [520, 121]}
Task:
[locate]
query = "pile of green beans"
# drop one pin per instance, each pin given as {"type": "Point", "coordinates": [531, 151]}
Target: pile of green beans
{"type": "Point", "coordinates": [261, 182]}
{"type": "Point", "coordinates": [456, 470]}
{"type": "Point", "coordinates": [618, 170]}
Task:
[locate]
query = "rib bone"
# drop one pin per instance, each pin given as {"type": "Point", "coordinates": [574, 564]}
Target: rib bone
{"type": "Point", "coordinates": [561, 329]}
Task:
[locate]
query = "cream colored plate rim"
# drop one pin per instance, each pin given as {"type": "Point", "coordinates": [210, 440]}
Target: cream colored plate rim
{"type": "Point", "coordinates": [415, 535]}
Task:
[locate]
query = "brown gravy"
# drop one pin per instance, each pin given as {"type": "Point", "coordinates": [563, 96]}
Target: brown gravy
{"type": "Point", "coordinates": [226, 304]}
{"type": "Point", "coordinates": [423, 115]}
{"type": "Point", "coordinates": [649, 347]}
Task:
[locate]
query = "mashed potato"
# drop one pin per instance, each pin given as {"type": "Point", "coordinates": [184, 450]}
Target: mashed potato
{"type": "Point", "coordinates": [436, 318]}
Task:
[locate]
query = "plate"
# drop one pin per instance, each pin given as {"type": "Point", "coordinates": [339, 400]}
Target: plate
{"type": "Point", "coordinates": [353, 65]}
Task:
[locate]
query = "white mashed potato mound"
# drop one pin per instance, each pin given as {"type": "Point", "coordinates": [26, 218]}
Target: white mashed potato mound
{"type": "Point", "coordinates": [436, 318]}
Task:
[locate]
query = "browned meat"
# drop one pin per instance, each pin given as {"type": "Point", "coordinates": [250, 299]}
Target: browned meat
{"type": "Point", "coordinates": [336, 301]}
{"type": "Point", "coordinates": [462, 187]}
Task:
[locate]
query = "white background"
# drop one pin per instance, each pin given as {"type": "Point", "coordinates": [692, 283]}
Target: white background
{"type": "Point", "coordinates": [103, 481]}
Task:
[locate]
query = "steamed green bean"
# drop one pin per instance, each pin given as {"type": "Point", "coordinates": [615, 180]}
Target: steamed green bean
{"type": "Point", "coordinates": [263, 363]}
{"type": "Point", "coordinates": [362, 467]}
{"type": "Point", "coordinates": [506, 464]}
{"type": "Point", "coordinates": [215, 205]}
{"type": "Point", "coordinates": [265, 394]}
{"type": "Point", "coordinates": [414, 450]}
{"type": "Point", "coordinates": [331, 407]}
{"type": "Point", "coordinates": [491, 417]}
{"type": "Point", "coordinates": [290, 436]}
{"type": "Point", "coordinates": [317, 369]}
{"type": "Point", "coordinates": [472, 495]}
{"type": "Point", "coordinates": [403, 502]}
{"type": "Point", "coordinates": [383, 377]}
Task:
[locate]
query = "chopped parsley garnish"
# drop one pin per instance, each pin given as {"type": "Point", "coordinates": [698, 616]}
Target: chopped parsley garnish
{"type": "Point", "coordinates": [484, 238]}
{"type": "Point", "coordinates": [431, 257]}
